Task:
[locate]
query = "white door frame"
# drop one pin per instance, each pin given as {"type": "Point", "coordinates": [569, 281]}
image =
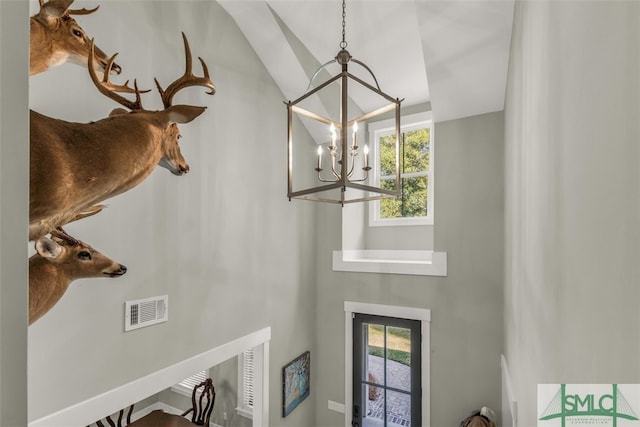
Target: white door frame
{"type": "Point", "coordinates": [421, 314]}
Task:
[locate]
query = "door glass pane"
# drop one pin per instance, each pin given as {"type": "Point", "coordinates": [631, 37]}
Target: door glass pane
{"type": "Point", "coordinates": [399, 358]}
{"type": "Point", "coordinates": [374, 390]}
{"type": "Point", "coordinates": [398, 409]}
{"type": "Point", "coordinates": [374, 412]}
{"type": "Point", "coordinates": [385, 393]}
{"type": "Point", "coordinates": [374, 365]}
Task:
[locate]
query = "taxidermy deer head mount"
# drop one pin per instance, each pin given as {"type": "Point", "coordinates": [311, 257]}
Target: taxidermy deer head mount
{"type": "Point", "coordinates": [57, 263]}
{"type": "Point", "coordinates": [57, 38]}
{"type": "Point", "coordinates": [75, 166]}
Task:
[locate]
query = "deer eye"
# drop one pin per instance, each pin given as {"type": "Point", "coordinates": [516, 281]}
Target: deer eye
{"type": "Point", "coordinates": [76, 32]}
{"type": "Point", "coordinates": [84, 255]}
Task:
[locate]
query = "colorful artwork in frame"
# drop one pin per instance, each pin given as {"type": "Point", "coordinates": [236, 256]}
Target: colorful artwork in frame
{"type": "Point", "coordinates": [295, 382]}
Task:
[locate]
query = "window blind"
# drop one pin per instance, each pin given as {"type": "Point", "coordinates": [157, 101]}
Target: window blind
{"type": "Point", "coordinates": [248, 378]}
{"type": "Point", "coordinates": [186, 386]}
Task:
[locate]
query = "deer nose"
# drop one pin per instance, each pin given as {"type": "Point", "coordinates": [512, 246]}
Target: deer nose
{"type": "Point", "coordinates": [184, 169]}
{"type": "Point", "coordinates": [121, 270]}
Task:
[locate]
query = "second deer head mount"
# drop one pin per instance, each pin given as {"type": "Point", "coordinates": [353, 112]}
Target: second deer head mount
{"type": "Point", "coordinates": [59, 261]}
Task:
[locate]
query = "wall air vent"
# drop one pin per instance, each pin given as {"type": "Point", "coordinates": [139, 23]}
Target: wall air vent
{"type": "Point", "coordinates": [145, 312]}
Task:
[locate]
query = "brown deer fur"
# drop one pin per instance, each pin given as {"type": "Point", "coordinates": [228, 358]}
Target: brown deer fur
{"type": "Point", "coordinates": [74, 166]}
{"type": "Point", "coordinates": [57, 38]}
{"type": "Point", "coordinates": [56, 264]}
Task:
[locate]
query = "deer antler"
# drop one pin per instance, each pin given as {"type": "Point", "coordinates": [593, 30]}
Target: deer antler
{"type": "Point", "coordinates": [90, 211]}
{"type": "Point", "coordinates": [109, 89]}
{"type": "Point", "coordinates": [188, 79]}
{"type": "Point", "coordinates": [62, 235]}
{"type": "Point", "coordinates": [68, 11]}
{"type": "Point", "coordinates": [83, 11]}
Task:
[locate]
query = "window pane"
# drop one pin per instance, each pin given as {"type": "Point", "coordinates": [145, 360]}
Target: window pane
{"type": "Point", "coordinates": [374, 374]}
{"type": "Point", "coordinates": [390, 208]}
{"type": "Point", "coordinates": [414, 194]}
{"type": "Point", "coordinates": [413, 201]}
{"type": "Point", "coordinates": [388, 155]}
{"type": "Point", "coordinates": [399, 358]}
{"type": "Point", "coordinates": [415, 153]}
{"type": "Point", "coordinates": [398, 408]}
{"type": "Point", "coordinates": [374, 411]}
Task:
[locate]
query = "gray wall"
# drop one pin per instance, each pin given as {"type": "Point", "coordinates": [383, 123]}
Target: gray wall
{"type": "Point", "coordinates": [223, 241]}
{"type": "Point", "coordinates": [226, 375]}
{"type": "Point", "coordinates": [466, 306]}
{"type": "Point", "coordinates": [572, 208]}
{"type": "Point", "coordinates": [14, 176]}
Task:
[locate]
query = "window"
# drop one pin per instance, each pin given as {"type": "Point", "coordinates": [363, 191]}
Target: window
{"type": "Point", "coordinates": [415, 205]}
{"type": "Point", "coordinates": [246, 382]}
{"type": "Point", "coordinates": [186, 386]}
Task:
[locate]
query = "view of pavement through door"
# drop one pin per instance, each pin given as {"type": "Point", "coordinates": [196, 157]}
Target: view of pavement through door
{"type": "Point", "coordinates": [398, 405]}
{"type": "Point", "coordinates": [387, 367]}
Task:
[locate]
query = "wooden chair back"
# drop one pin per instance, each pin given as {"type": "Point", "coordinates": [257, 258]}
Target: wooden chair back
{"type": "Point", "coordinates": [118, 423]}
{"type": "Point", "coordinates": [202, 399]}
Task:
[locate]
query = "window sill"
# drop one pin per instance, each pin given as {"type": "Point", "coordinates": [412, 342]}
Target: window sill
{"type": "Point", "coordinates": [245, 412]}
{"type": "Point", "coordinates": [419, 263]}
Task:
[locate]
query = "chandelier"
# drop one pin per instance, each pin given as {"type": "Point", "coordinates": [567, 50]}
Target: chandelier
{"type": "Point", "coordinates": [338, 164]}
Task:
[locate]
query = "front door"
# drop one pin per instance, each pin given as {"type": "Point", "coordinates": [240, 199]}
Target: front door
{"type": "Point", "coordinates": [386, 371]}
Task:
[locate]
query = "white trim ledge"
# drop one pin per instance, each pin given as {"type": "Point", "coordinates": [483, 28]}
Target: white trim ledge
{"type": "Point", "coordinates": [336, 406]}
{"type": "Point", "coordinates": [418, 263]}
{"type": "Point", "coordinates": [111, 401]}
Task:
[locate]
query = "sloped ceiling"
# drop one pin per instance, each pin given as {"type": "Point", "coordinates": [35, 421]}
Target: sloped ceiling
{"type": "Point", "coordinates": [452, 54]}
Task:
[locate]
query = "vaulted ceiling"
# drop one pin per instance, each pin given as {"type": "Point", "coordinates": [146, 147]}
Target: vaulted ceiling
{"type": "Point", "coordinates": [450, 53]}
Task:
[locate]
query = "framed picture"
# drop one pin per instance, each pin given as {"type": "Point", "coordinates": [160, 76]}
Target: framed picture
{"type": "Point", "coordinates": [295, 382]}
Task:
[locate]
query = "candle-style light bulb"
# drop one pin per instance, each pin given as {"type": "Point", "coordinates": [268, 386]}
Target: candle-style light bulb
{"type": "Point", "coordinates": [365, 150]}
{"type": "Point", "coordinates": [355, 132]}
{"type": "Point", "coordinates": [319, 167]}
{"type": "Point", "coordinates": [332, 131]}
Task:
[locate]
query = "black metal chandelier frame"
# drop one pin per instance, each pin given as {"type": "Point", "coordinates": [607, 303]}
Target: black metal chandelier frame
{"type": "Point", "coordinates": [342, 176]}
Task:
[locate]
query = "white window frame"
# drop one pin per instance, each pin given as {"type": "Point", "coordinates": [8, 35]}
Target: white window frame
{"type": "Point", "coordinates": [246, 374]}
{"type": "Point", "coordinates": [384, 128]}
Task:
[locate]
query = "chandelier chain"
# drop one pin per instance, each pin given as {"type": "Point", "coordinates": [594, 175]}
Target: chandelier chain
{"type": "Point", "coordinates": [343, 44]}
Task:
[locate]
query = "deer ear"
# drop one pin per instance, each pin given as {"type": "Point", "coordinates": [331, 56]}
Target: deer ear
{"type": "Point", "coordinates": [183, 113]}
{"type": "Point", "coordinates": [55, 8]}
{"type": "Point", "coordinates": [118, 112]}
{"type": "Point", "coordinates": [48, 249]}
